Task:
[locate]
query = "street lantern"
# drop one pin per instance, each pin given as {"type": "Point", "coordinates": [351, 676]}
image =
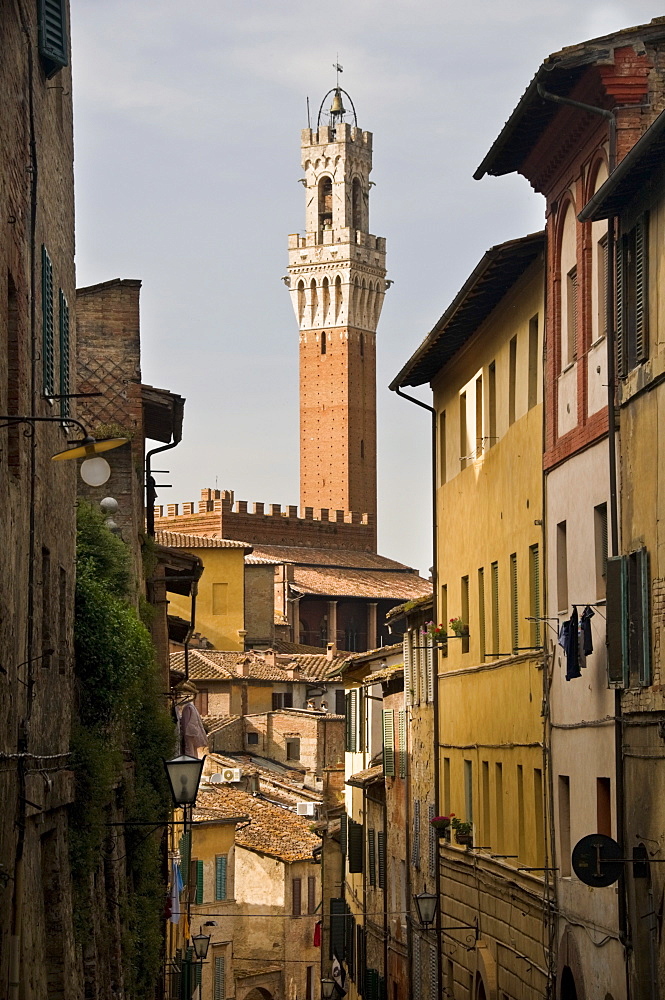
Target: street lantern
{"type": "Point", "coordinates": [184, 774]}
{"type": "Point", "coordinates": [328, 987]}
{"type": "Point", "coordinates": [201, 943]}
{"type": "Point", "coordinates": [426, 903]}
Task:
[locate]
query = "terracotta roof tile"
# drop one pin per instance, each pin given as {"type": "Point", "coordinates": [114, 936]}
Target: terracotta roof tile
{"type": "Point", "coordinates": [366, 777]}
{"type": "Point", "coordinates": [374, 584]}
{"type": "Point", "coordinates": [271, 830]}
{"type": "Point", "coordinates": [182, 540]}
{"type": "Point", "coordinates": [397, 670]}
{"type": "Point", "coordinates": [215, 664]}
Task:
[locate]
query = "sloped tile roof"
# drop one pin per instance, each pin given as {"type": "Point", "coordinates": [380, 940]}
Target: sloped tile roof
{"type": "Point", "coordinates": [341, 558]}
{"type": "Point", "coordinates": [372, 584]}
{"type": "Point", "coordinates": [366, 777]}
{"type": "Point", "coordinates": [397, 670]}
{"type": "Point", "coordinates": [271, 830]}
{"type": "Point", "coordinates": [183, 540]}
{"type": "Point", "coordinates": [216, 664]}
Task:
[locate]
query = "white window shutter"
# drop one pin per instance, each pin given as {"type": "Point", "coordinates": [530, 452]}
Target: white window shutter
{"type": "Point", "coordinates": [408, 669]}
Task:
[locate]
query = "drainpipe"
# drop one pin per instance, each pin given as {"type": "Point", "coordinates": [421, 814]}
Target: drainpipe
{"type": "Point", "coordinates": [151, 496]}
{"type": "Point", "coordinates": [435, 667]}
{"type": "Point", "coordinates": [624, 926]}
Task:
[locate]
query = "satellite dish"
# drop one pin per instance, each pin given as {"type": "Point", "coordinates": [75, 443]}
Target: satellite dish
{"type": "Point", "coordinates": [597, 860]}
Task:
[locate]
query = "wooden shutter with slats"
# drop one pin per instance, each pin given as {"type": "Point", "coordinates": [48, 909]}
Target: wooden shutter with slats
{"type": "Point", "coordinates": [381, 850]}
{"type": "Point", "coordinates": [402, 755]}
{"type": "Point", "coordinates": [616, 635]}
{"type": "Point", "coordinates": [337, 928]}
{"type": "Point", "coordinates": [429, 652]}
{"type": "Point", "coordinates": [48, 347]}
{"type": "Point", "coordinates": [221, 864]}
{"type": "Point", "coordinates": [65, 386]}
{"type": "Point", "coordinates": [641, 290]}
{"type": "Point", "coordinates": [388, 719]}
{"type": "Point", "coordinates": [199, 882]}
{"type": "Point", "coordinates": [311, 894]}
{"type": "Point", "coordinates": [432, 843]}
{"type": "Point", "coordinates": [355, 835]}
{"type": "Point", "coordinates": [408, 683]}
{"type": "Point", "coordinates": [371, 856]}
{"type": "Point", "coordinates": [415, 843]}
{"type": "Point", "coordinates": [296, 897]}
{"type": "Point", "coordinates": [220, 977]}
{"type": "Point", "coordinates": [53, 39]}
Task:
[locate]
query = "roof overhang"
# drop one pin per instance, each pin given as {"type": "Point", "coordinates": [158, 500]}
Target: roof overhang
{"type": "Point", "coordinates": [163, 413]}
{"type": "Point", "coordinates": [488, 283]}
{"type": "Point", "coordinates": [638, 169]}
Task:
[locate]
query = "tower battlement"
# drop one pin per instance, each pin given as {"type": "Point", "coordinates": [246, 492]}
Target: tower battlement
{"type": "Point", "coordinates": [343, 132]}
{"type": "Point", "coordinates": [217, 511]}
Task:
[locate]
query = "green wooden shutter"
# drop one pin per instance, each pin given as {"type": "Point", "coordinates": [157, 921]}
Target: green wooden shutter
{"type": "Point", "coordinates": [337, 928]}
{"type": "Point", "coordinates": [514, 609]}
{"type": "Point", "coordinates": [221, 864]}
{"type": "Point", "coordinates": [620, 306]}
{"type": "Point", "coordinates": [616, 636]}
{"type": "Point", "coordinates": [65, 386]}
{"type": "Point", "coordinates": [381, 846]}
{"type": "Point", "coordinates": [355, 846]}
{"type": "Point", "coordinates": [199, 882]}
{"type": "Point", "coordinates": [643, 622]}
{"type": "Point", "coordinates": [53, 46]}
{"type": "Point", "coordinates": [220, 977]}
{"type": "Point", "coordinates": [401, 728]}
{"type": "Point", "coordinates": [185, 854]}
{"type": "Point", "coordinates": [641, 290]}
{"type": "Point", "coordinates": [48, 350]}
{"type": "Point", "coordinates": [371, 856]}
{"type": "Point", "coordinates": [350, 941]}
{"type": "Point", "coordinates": [388, 718]}
{"type": "Point", "coordinates": [408, 682]}
{"type": "Point", "coordinates": [536, 611]}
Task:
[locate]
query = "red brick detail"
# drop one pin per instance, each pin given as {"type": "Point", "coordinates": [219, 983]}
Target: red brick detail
{"type": "Point", "coordinates": [627, 80]}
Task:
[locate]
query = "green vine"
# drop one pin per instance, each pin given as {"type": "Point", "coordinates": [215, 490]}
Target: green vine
{"type": "Point", "coordinates": [122, 735]}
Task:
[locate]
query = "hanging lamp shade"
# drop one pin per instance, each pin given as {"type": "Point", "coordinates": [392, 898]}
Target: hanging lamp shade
{"type": "Point", "coordinates": [184, 774]}
{"type": "Point", "coordinates": [88, 447]}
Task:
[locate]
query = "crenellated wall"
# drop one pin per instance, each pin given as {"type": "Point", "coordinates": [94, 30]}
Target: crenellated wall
{"type": "Point", "coordinates": [217, 512]}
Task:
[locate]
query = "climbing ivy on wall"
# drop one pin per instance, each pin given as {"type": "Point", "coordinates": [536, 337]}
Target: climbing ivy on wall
{"type": "Point", "coordinates": [122, 733]}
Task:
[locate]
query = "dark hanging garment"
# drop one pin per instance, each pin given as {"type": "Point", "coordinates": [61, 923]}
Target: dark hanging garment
{"type": "Point", "coordinates": [573, 648]}
{"type": "Point", "coordinates": [563, 634]}
{"type": "Point", "coordinates": [585, 630]}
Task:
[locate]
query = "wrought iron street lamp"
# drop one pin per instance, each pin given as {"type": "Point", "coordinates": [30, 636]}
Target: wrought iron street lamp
{"type": "Point", "coordinates": [184, 774]}
{"type": "Point", "coordinates": [328, 988]}
{"type": "Point", "coordinates": [201, 943]}
{"type": "Point", "coordinates": [426, 904]}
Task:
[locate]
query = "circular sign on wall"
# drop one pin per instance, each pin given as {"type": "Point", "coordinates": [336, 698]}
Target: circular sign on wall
{"type": "Point", "coordinates": [597, 860]}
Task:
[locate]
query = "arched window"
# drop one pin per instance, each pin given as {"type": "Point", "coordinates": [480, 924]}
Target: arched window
{"type": "Point", "coordinates": [323, 342]}
{"type": "Point", "coordinates": [325, 203]}
{"type": "Point", "coordinates": [301, 301]}
{"type": "Point", "coordinates": [338, 298]}
{"type": "Point", "coordinates": [569, 287]}
{"type": "Point", "coordinates": [314, 301]}
{"type": "Point", "coordinates": [325, 295]}
{"type": "Point", "coordinates": [599, 267]}
{"type": "Point", "coordinates": [357, 204]}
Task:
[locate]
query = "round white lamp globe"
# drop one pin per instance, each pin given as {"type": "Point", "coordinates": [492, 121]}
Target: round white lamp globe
{"type": "Point", "coordinates": [95, 471]}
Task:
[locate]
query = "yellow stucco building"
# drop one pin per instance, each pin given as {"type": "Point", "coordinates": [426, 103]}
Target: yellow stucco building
{"type": "Point", "coordinates": [220, 601]}
{"type": "Point", "coordinates": [483, 360]}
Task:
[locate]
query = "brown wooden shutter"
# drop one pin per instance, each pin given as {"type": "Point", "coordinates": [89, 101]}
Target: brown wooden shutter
{"type": "Point", "coordinates": [355, 835]}
{"type": "Point", "coordinates": [620, 299]}
{"type": "Point", "coordinates": [311, 894]}
{"type": "Point", "coordinates": [296, 897]}
{"type": "Point", "coordinates": [641, 290]}
{"type": "Point", "coordinates": [381, 843]}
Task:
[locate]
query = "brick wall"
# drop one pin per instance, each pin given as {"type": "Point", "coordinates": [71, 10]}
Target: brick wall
{"type": "Point", "coordinates": [269, 524]}
{"type": "Point", "coordinates": [259, 604]}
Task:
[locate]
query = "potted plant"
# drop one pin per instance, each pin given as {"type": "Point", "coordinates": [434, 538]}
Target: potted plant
{"type": "Point", "coordinates": [463, 831]}
{"type": "Point", "coordinates": [436, 633]}
{"type": "Point", "coordinates": [458, 626]}
{"type": "Point", "coordinates": [442, 825]}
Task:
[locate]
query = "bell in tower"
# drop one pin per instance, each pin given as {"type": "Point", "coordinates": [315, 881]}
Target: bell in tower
{"type": "Point", "coordinates": [337, 283]}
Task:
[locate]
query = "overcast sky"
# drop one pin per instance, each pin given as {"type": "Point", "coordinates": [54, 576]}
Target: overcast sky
{"type": "Point", "coordinates": [187, 126]}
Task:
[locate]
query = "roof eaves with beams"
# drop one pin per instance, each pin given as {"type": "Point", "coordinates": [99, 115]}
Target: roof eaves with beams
{"type": "Point", "coordinates": [487, 284]}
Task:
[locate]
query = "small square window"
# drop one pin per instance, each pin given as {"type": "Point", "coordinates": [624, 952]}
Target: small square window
{"type": "Point", "coordinates": [252, 739]}
{"type": "Point", "coordinates": [293, 749]}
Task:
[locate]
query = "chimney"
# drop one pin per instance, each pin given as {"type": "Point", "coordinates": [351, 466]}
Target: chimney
{"type": "Point", "coordinates": [270, 658]}
{"type": "Point", "coordinates": [331, 650]}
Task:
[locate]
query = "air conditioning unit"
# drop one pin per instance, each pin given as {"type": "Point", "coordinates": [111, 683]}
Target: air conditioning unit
{"type": "Point", "coordinates": [306, 808]}
{"type": "Point", "coordinates": [226, 776]}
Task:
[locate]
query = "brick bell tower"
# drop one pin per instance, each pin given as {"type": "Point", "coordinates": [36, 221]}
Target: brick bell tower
{"type": "Point", "coordinates": [337, 283]}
